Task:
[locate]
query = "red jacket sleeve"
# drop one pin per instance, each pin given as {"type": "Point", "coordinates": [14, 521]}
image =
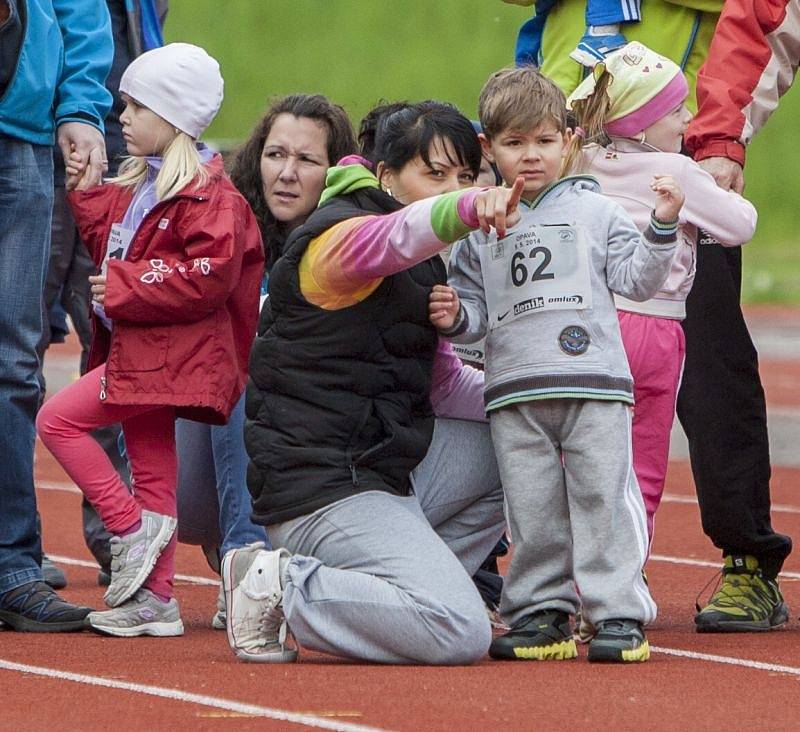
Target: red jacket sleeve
{"type": "Point", "coordinates": [185, 289]}
{"type": "Point", "coordinates": [751, 63]}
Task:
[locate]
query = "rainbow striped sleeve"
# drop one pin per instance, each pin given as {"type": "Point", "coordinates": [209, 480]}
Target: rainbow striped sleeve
{"type": "Point", "coordinates": [347, 263]}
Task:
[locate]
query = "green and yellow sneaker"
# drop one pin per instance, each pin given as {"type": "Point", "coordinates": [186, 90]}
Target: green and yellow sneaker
{"type": "Point", "coordinates": [745, 601]}
{"type": "Point", "coordinates": [542, 636]}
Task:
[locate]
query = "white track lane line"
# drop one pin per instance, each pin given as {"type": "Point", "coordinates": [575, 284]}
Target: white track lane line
{"type": "Point", "coordinates": [192, 579]}
{"type": "Point", "coordinates": [703, 563]}
{"type": "Point", "coordinates": [728, 660]}
{"type": "Point", "coordinates": [776, 507]}
{"type": "Point", "coordinates": [67, 487]}
{"type": "Point", "coordinates": [308, 720]}
{"type": "Point", "coordinates": [667, 498]}
{"type": "Point", "coordinates": [57, 485]}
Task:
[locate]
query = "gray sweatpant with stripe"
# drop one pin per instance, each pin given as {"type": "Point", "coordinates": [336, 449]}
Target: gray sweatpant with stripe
{"type": "Point", "coordinates": [576, 517]}
{"type": "Point", "coordinates": [385, 578]}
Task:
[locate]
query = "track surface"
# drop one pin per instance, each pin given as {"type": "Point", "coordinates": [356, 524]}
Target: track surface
{"type": "Point", "coordinates": [698, 682]}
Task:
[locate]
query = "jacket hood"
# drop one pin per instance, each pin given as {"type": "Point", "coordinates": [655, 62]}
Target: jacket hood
{"type": "Point", "coordinates": [350, 175]}
{"type": "Point", "coordinates": [564, 186]}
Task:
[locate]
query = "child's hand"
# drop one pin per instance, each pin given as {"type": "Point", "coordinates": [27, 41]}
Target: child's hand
{"type": "Point", "coordinates": [98, 283]}
{"type": "Point", "coordinates": [78, 169]}
{"type": "Point", "coordinates": [670, 197]}
{"type": "Point", "coordinates": [443, 307]}
{"type": "Point", "coordinates": [498, 207]}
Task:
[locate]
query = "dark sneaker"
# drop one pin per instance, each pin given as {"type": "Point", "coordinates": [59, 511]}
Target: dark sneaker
{"type": "Point", "coordinates": [745, 600]}
{"type": "Point", "coordinates": [35, 608]}
{"type": "Point", "coordinates": [542, 636]}
{"type": "Point", "coordinates": [619, 641]}
{"type": "Point", "coordinates": [104, 577]}
{"type": "Point", "coordinates": [53, 575]}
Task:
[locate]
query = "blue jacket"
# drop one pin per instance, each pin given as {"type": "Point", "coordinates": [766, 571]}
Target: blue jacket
{"type": "Point", "coordinates": [61, 63]}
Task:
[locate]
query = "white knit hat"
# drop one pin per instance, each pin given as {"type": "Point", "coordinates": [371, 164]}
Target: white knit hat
{"type": "Point", "coordinates": [179, 82]}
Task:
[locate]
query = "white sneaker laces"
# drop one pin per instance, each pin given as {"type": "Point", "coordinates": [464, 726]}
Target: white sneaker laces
{"type": "Point", "coordinates": [273, 621]}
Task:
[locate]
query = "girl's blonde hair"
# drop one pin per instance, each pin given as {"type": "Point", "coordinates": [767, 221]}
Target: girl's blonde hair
{"type": "Point", "coordinates": [181, 165]}
{"type": "Point", "coordinates": [588, 116]}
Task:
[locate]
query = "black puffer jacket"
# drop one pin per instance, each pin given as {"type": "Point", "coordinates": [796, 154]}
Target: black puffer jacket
{"type": "Point", "coordinates": [338, 400]}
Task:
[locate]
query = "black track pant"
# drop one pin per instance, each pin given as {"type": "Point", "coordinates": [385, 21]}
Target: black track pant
{"type": "Point", "coordinates": [723, 412]}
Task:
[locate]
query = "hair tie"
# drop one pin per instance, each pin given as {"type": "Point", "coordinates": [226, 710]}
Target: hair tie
{"type": "Point", "coordinates": [580, 132]}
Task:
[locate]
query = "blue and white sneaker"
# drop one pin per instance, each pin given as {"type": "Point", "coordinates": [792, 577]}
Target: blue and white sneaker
{"type": "Point", "coordinates": [595, 47]}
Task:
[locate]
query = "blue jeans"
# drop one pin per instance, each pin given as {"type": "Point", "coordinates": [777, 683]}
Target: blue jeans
{"type": "Point", "coordinates": [26, 202]}
{"type": "Point", "coordinates": [213, 501]}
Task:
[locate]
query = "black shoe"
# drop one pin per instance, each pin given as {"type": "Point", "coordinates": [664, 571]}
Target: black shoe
{"type": "Point", "coordinates": [104, 577]}
{"type": "Point", "coordinates": [619, 641]}
{"type": "Point", "coordinates": [542, 636]}
{"type": "Point", "coordinates": [35, 608]}
{"type": "Point", "coordinates": [53, 574]}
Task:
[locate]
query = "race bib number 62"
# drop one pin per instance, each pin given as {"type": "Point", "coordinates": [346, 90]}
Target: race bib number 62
{"type": "Point", "coordinates": [539, 269]}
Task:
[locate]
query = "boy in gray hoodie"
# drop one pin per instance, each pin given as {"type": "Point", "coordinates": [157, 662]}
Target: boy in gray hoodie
{"type": "Point", "coordinates": [558, 388]}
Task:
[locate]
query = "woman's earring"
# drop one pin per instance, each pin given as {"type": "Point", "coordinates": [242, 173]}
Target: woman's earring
{"type": "Point", "coordinates": [389, 191]}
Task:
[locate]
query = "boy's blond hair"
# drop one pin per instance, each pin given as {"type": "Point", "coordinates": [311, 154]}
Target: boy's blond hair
{"type": "Point", "coordinates": [520, 99]}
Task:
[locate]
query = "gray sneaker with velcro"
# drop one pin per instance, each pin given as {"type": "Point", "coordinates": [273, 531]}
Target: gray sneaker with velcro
{"type": "Point", "coordinates": [134, 555]}
{"type": "Point", "coordinates": [143, 614]}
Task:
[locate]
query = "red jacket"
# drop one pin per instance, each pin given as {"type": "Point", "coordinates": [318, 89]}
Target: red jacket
{"type": "Point", "coordinates": [185, 300]}
{"type": "Point", "coordinates": [752, 61]}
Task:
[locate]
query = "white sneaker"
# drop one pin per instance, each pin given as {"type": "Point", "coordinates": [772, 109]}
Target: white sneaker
{"type": "Point", "coordinates": [143, 614]}
{"type": "Point", "coordinates": [218, 622]}
{"type": "Point", "coordinates": [256, 626]}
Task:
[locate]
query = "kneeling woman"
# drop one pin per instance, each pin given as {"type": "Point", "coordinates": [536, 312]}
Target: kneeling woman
{"type": "Point", "coordinates": [379, 515]}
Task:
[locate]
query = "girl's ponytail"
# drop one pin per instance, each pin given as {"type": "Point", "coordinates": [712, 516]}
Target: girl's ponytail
{"type": "Point", "coordinates": [181, 165]}
{"type": "Point", "coordinates": [589, 115]}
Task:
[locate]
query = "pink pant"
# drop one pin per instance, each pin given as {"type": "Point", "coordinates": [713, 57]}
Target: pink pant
{"type": "Point", "coordinates": [656, 349]}
{"type": "Point", "coordinates": [64, 424]}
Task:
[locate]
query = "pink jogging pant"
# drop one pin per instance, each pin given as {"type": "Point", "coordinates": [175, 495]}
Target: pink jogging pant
{"type": "Point", "coordinates": [64, 424]}
{"type": "Point", "coordinates": [656, 348]}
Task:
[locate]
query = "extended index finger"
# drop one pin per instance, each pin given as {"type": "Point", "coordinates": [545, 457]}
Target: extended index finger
{"type": "Point", "coordinates": [516, 193]}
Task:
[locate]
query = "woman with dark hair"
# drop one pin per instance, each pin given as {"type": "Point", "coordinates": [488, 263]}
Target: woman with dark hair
{"type": "Point", "coordinates": [280, 170]}
{"type": "Point", "coordinates": [307, 123]}
{"type": "Point", "coordinates": [370, 460]}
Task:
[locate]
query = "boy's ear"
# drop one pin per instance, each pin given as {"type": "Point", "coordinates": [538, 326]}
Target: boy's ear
{"type": "Point", "coordinates": [486, 146]}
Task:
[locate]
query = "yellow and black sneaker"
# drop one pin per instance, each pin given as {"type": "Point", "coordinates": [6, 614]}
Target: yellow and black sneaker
{"type": "Point", "coordinates": [542, 636]}
{"type": "Point", "coordinates": [745, 600]}
{"type": "Point", "coordinates": [619, 641]}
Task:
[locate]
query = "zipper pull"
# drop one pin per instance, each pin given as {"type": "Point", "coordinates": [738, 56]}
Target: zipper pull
{"type": "Point", "coordinates": [354, 474]}
{"type": "Point", "coordinates": [103, 384]}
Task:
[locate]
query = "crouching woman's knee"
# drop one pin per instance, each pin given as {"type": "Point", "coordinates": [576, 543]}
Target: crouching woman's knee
{"type": "Point", "coordinates": [465, 639]}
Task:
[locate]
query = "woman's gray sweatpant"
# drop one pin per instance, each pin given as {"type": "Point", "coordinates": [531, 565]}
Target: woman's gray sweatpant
{"type": "Point", "coordinates": [379, 577]}
{"type": "Point", "coordinates": [581, 517]}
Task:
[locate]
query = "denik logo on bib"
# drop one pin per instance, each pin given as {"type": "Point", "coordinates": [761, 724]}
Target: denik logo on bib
{"type": "Point", "coordinates": [527, 305]}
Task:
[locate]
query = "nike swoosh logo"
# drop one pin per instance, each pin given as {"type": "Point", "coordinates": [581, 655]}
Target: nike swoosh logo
{"type": "Point", "coordinates": [500, 317]}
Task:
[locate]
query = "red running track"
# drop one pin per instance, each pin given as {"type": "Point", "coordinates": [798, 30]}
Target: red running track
{"type": "Point", "coordinates": [87, 682]}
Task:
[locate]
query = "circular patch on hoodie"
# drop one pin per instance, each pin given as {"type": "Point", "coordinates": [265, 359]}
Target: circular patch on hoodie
{"type": "Point", "coordinates": [574, 340]}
